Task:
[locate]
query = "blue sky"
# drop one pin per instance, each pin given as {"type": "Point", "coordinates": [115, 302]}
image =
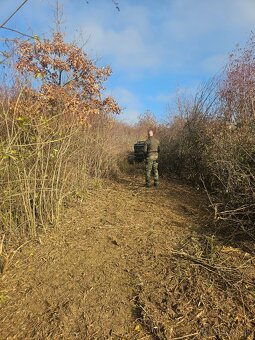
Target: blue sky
{"type": "Point", "coordinates": [157, 48]}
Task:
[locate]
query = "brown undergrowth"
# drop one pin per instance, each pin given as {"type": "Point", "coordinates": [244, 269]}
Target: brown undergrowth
{"type": "Point", "coordinates": [128, 262]}
{"type": "Point", "coordinates": [187, 295]}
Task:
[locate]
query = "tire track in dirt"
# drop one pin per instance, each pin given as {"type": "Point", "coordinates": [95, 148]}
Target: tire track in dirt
{"type": "Point", "coordinates": [83, 280]}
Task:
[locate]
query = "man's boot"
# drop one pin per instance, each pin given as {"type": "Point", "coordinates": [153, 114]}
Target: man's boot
{"type": "Point", "coordinates": [147, 184]}
{"type": "Point", "coordinates": [155, 184]}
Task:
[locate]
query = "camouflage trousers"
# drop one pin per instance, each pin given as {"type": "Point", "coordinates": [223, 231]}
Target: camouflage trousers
{"type": "Point", "coordinates": [151, 166]}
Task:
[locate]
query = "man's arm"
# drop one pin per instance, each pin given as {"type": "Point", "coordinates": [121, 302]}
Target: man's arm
{"type": "Point", "coordinates": [145, 148]}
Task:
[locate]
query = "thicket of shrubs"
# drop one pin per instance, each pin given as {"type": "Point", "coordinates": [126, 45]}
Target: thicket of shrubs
{"type": "Point", "coordinates": [211, 141]}
{"type": "Point", "coordinates": [56, 130]}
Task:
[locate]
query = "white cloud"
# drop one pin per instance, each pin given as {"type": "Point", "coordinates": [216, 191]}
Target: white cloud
{"type": "Point", "coordinates": [244, 12]}
{"type": "Point", "coordinates": [163, 97]}
{"type": "Point", "coordinates": [163, 44]}
{"type": "Point", "coordinates": [129, 116]}
{"type": "Point", "coordinates": [130, 104]}
{"type": "Point", "coordinates": [138, 39]}
{"type": "Point", "coordinates": [146, 35]}
{"type": "Point", "coordinates": [172, 97]}
{"type": "Point", "coordinates": [213, 64]}
{"type": "Point", "coordinates": [126, 47]}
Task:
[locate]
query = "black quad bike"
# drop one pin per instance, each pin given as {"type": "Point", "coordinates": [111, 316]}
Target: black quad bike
{"type": "Point", "coordinates": [138, 156]}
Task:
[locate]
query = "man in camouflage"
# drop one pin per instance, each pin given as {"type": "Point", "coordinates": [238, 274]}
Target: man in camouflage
{"type": "Point", "coordinates": [151, 150]}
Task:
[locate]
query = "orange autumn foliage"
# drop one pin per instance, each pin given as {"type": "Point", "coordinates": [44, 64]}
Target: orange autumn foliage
{"type": "Point", "coordinates": [65, 78]}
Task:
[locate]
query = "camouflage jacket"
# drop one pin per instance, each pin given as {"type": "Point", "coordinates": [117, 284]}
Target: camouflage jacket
{"type": "Point", "coordinates": [151, 148]}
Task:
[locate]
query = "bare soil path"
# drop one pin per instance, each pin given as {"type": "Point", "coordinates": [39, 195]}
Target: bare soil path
{"type": "Point", "coordinates": [108, 272]}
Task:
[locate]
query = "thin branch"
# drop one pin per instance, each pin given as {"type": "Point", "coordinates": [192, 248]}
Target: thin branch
{"type": "Point", "coordinates": [13, 30]}
{"type": "Point", "coordinates": [116, 3]}
{"type": "Point", "coordinates": [185, 336]}
{"type": "Point", "coordinates": [1, 244]}
{"type": "Point", "coordinates": [9, 18]}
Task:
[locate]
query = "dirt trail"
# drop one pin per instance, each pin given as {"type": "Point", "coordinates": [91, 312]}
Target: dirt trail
{"type": "Point", "coordinates": [88, 278]}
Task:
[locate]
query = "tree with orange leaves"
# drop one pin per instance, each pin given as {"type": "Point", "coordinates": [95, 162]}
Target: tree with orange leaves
{"type": "Point", "coordinates": [66, 78]}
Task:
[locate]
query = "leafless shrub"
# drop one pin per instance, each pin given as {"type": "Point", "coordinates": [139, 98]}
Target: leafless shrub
{"type": "Point", "coordinates": [212, 140]}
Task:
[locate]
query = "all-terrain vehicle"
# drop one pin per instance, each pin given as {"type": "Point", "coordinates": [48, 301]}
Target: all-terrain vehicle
{"type": "Point", "coordinates": [138, 155]}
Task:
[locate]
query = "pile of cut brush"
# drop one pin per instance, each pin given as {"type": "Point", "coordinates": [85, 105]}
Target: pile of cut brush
{"type": "Point", "coordinates": [200, 290]}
